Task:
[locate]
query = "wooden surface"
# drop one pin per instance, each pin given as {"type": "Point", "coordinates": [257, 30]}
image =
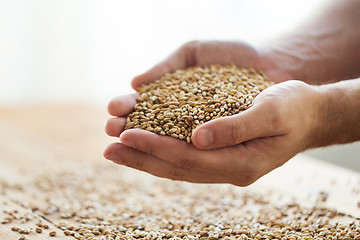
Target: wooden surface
{"type": "Point", "coordinates": [39, 139]}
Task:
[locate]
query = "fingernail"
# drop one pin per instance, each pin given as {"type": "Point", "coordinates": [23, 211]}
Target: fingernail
{"type": "Point", "coordinates": [205, 137]}
{"type": "Point", "coordinates": [127, 142]}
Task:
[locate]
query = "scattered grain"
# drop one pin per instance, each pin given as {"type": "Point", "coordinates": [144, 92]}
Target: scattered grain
{"type": "Point", "coordinates": [15, 229]}
{"type": "Point", "coordinates": [123, 206]}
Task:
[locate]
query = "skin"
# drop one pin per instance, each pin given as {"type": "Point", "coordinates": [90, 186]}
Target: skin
{"type": "Point", "coordinates": [285, 119]}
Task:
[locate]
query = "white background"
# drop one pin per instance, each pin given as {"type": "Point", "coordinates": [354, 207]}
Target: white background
{"type": "Point", "coordinates": [68, 50]}
{"type": "Point", "coordinates": [87, 50]}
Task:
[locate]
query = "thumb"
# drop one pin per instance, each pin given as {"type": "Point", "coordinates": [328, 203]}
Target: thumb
{"type": "Point", "coordinates": [261, 120]}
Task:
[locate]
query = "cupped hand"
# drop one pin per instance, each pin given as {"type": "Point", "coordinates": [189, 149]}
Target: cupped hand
{"type": "Point", "coordinates": [196, 53]}
{"type": "Point", "coordinates": [238, 149]}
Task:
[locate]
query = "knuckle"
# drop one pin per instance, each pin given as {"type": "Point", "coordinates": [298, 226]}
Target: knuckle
{"type": "Point", "coordinates": [275, 119]}
{"type": "Point", "coordinates": [190, 45]}
{"type": "Point", "coordinates": [167, 66]}
{"type": "Point", "coordinates": [276, 122]}
{"type": "Point", "coordinates": [152, 147]}
{"type": "Point", "coordinates": [139, 164]}
{"type": "Point", "coordinates": [270, 105]}
{"type": "Point", "coordinates": [184, 162]}
{"type": "Point", "coordinates": [177, 173]}
{"type": "Point", "coordinates": [190, 51]}
{"type": "Point", "coordinates": [236, 128]}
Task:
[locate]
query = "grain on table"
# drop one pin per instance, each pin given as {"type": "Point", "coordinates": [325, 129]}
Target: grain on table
{"type": "Point", "coordinates": [123, 206]}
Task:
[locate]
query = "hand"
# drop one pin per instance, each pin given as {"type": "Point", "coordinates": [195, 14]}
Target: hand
{"type": "Point", "coordinates": [245, 146]}
{"type": "Point", "coordinates": [198, 53]}
{"type": "Point", "coordinates": [195, 53]}
{"type": "Point", "coordinates": [238, 162]}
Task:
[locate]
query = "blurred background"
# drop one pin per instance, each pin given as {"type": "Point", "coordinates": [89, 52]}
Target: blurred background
{"type": "Point", "coordinates": [88, 51]}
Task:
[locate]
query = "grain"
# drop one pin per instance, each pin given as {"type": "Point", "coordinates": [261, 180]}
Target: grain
{"type": "Point", "coordinates": [15, 229]}
{"type": "Point", "coordinates": [179, 102]}
{"type": "Point", "coordinates": [120, 205]}
{"type": "Point", "coordinates": [52, 234]}
{"type": "Point", "coordinates": [24, 231]}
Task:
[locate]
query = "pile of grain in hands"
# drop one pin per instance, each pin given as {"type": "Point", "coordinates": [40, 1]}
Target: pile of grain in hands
{"type": "Point", "coordinates": [178, 102]}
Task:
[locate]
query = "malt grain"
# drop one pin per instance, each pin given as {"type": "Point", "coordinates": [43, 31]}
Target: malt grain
{"type": "Point", "coordinates": [179, 102]}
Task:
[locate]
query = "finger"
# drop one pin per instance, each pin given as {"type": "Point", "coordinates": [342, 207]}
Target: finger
{"type": "Point", "coordinates": [181, 153]}
{"type": "Point", "coordinates": [115, 126]}
{"type": "Point", "coordinates": [122, 105]}
{"type": "Point", "coordinates": [181, 58]}
{"type": "Point", "coordinates": [257, 122]}
{"type": "Point", "coordinates": [130, 157]}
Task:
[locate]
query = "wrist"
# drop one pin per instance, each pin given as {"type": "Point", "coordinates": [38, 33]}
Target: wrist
{"type": "Point", "coordinates": [339, 116]}
{"type": "Point", "coordinates": [325, 131]}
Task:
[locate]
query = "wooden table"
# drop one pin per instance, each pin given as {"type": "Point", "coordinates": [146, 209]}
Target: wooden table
{"type": "Point", "coordinates": [39, 139]}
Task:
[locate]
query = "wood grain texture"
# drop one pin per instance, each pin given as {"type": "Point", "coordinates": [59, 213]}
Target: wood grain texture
{"type": "Point", "coordinates": [40, 138]}
{"type": "Point", "coordinates": [6, 232]}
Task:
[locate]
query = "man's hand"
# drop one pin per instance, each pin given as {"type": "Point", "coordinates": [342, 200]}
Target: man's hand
{"type": "Point", "coordinates": [191, 54]}
{"type": "Point", "coordinates": [237, 149]}
{"type": "Point", "coordinates": [284, 120]}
